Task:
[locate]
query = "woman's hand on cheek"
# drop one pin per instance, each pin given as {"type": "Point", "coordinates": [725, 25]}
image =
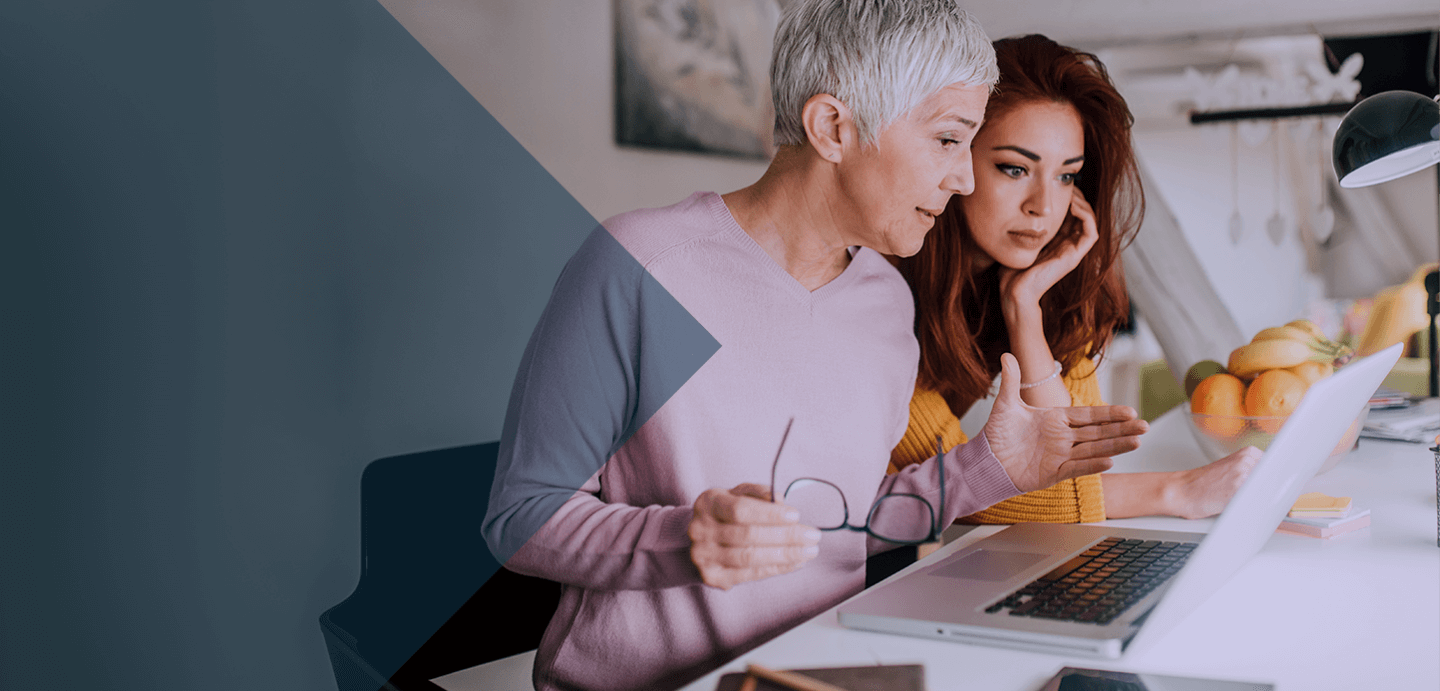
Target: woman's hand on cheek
{"type": "Point", "coordinates": [1025, 287]}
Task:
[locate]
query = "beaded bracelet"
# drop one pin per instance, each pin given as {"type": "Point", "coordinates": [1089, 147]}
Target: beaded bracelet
{"type": "Point", "coordinates": [1054, 374]}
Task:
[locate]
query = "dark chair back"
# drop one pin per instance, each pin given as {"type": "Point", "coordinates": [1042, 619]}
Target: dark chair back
{"type": "Point", "coordinates": [430, 596]}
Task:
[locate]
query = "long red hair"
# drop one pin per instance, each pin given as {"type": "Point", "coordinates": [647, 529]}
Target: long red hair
{"type": "Point", "coordinates": [957, 310]}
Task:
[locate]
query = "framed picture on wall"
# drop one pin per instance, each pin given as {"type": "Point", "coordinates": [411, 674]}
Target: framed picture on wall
{"type": "Point", "coordinates": [693, 75]}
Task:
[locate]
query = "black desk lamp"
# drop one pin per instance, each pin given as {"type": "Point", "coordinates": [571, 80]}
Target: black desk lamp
{"type": "Point", "coordinates": [1387, 136]}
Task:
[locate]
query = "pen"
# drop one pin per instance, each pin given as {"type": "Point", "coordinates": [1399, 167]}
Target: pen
{"type": "Point", "coordinates": [790, 680]}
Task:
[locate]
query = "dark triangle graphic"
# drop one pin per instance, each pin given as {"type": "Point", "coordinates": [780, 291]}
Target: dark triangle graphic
{"type": "Point", "coordinates": [247, 244]}
{"type": "Point", "coordinates": [405, 102]}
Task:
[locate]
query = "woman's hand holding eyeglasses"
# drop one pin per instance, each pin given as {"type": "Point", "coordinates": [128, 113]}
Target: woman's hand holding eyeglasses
{"type": "Point", "coordinates": [739, 535]}
{"type": "Point", "coordinates": [1039, 447]}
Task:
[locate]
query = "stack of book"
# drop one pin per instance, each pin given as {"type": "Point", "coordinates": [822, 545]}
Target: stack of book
{"type": "Point", "coordinates": [1416, 422]}
{"type": "Point", "coordinates": [1386, 397]}
{"type": "Point", "coordinates": [1323, 516]}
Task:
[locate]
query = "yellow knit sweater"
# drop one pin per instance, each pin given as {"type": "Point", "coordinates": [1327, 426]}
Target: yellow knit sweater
{"type": "Point", "coordinates": [1080, 500]}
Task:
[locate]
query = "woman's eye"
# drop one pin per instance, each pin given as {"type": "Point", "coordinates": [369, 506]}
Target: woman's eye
{"type": "Point", "coordinates": [1011, 170]}
{"type": "Point", "coordinates": [948, 142]}
{"type": "Point", "coordinates": [1069, 178]}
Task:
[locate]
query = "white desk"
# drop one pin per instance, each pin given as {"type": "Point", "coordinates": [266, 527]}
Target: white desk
{"type": "Point", "coordinates": [1360, 611]}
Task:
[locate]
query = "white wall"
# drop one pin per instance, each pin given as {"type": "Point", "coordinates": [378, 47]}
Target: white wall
{"type": "Point", "coordinates": [1261, 283]}
{"type": "Point", "coordinates": [545, 69]}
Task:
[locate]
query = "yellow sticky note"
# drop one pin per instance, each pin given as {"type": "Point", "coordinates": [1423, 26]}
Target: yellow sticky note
{"type": "Point", "coordinates": [1315, 501]}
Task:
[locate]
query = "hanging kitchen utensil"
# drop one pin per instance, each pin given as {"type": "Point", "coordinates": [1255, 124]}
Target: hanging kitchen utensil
{"type": "Point", "coordinates": [1275, 225]}
{"type": "Point", "coordinates": [1324, 222]}
{"type": "Point", "coordinates": [1237, 223]}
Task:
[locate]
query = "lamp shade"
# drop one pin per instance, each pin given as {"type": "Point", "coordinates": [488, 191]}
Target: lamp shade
{"type": "Point", "coordinates": [1386, 136]}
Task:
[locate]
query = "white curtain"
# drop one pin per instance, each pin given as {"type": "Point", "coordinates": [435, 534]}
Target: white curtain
{"type": "Point", "coordinates": [1172, 292]}
{"type": "Point", "coordinates": [1382, 234]}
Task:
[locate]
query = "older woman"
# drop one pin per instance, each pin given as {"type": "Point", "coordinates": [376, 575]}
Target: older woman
{"type": "Point", "coordinates": [693, 357]}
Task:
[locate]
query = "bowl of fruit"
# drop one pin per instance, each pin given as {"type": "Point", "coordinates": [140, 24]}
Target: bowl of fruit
{"type": "Point", "coordinates": [1246, 402]}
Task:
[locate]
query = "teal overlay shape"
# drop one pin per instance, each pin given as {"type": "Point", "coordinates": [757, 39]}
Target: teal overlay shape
{"type": "Point", "coordinates": [249, 246]}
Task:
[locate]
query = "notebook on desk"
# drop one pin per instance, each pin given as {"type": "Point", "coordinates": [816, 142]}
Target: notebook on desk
{"type": "Point", "coordinates": [1097, 590]}
{"type": "Point", "coordinates": [867, 678]}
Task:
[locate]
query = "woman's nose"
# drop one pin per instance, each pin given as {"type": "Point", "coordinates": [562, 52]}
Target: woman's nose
{"type": "Point", "coordinates": [1038, 202]}
{"type": "Point", "coordinates": [961, 178]}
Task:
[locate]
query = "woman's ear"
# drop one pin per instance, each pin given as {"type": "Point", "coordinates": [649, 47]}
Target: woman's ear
{"type": "Point", "coordinates": [829, 126]}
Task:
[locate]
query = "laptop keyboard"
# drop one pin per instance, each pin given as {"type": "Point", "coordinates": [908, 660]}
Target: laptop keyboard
{"type": "Point", "coordinates": [1100, 583]}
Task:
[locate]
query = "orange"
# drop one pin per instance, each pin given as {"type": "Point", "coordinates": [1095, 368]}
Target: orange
{"type": "Point", "coordinates": [1275, 392]}
{"type": "Point", "coordinates": [1312, 371]}
{"type": "Point", "coordinates": [1223, 395]}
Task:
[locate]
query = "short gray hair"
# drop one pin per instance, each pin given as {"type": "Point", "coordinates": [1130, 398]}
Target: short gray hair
{"type": "Point", "coordinates": [879, 57]}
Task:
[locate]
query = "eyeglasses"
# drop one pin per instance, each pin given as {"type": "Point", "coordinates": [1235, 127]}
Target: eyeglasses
{"type": "Point", "coordinates": [909, 519]}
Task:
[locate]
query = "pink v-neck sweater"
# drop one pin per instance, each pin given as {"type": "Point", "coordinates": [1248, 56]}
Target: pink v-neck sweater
{"type": "Point", "coordinates": [840, 360]}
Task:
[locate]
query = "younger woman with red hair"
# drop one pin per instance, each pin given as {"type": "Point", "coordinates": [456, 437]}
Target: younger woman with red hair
{"type": "Point", "coordinates": [1030, 264]}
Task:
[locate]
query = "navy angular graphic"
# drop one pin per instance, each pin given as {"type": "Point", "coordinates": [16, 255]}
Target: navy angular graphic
{"type": "Point", "coordinates": [423, 557]}
{"type": "Point", "coordinates": [250, 246]}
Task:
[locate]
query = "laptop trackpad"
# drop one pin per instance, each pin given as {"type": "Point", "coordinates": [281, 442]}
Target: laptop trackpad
{"type": "Point", "coordinates": [989, 565]}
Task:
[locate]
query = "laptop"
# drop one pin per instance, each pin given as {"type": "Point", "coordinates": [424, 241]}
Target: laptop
{"type": "Point", "coordinates": [1097, 591]}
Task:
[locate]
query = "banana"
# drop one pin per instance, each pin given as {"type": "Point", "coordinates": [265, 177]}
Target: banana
{"type": "Point", "coordinates": [1398, 312]}
{"type": "Point", "coordinates": [1309, 327]}
{"type": "Point", "coordinates": [1290, 332]}
{"type": "Point", "coordinates": [1278, 353]}
{"type": "Point", "coordinates": [1305, 331]}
